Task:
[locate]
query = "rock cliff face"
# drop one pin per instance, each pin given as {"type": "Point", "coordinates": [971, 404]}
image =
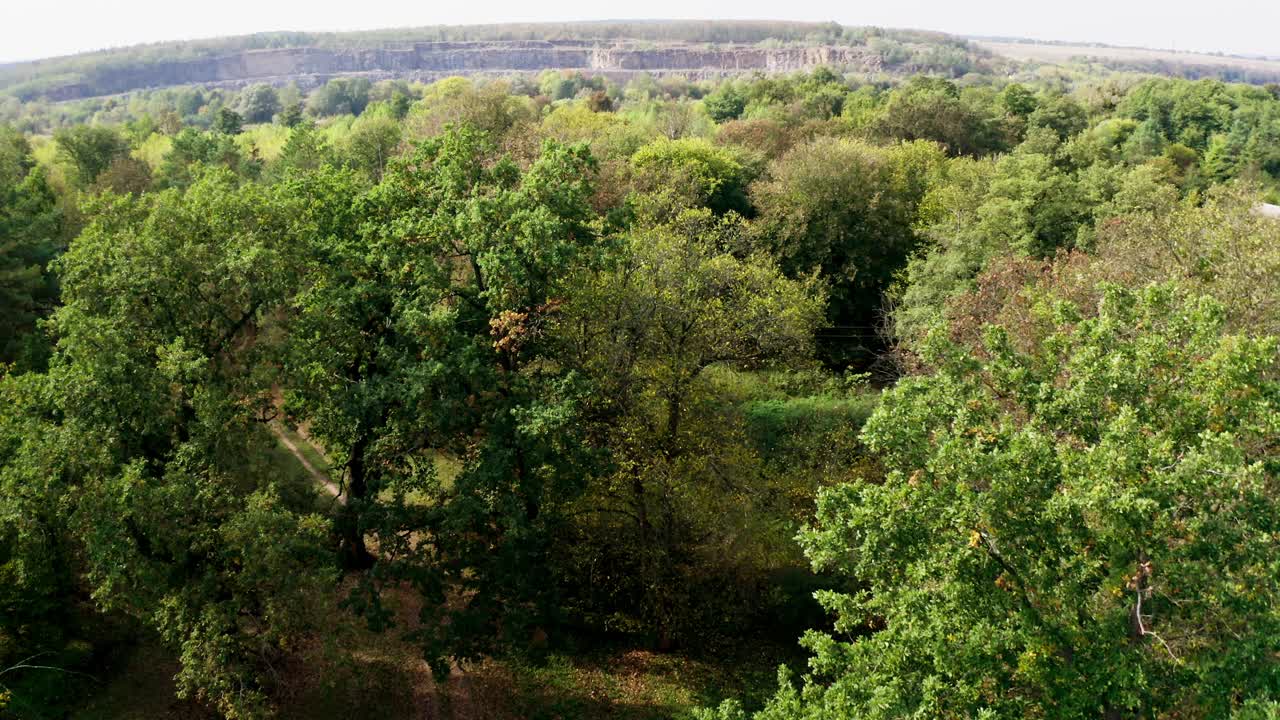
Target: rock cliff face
{"type": "Point", "coordinates": [431, 60]}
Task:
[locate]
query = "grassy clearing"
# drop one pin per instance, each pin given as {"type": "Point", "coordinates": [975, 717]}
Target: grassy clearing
{"type": "Point", "coordinates": [627, 683]}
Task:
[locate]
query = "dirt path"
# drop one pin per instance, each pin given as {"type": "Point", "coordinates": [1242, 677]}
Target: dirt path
{"type": "Point", "coordinates": [452, 701]}
{"type": "Point", "coordinates": [321, 478]}
{"type": "Point", "coordinates": [461, 703]}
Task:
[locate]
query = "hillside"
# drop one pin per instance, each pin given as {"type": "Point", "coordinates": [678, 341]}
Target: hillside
{"type": "Point", "coordinates": [433, 60]}
{"type": "Point", "coordinates": [1190, 65]}
{"type": "Point", "coordinates": [697, 49]}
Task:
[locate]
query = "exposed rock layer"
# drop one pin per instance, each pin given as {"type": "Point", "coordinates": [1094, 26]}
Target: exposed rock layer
{"type": "Point", "coordinates": [432, 60]}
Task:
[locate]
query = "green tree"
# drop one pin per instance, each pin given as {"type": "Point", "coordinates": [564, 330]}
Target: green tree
{"type": "Point", "coordinates": [89, 149]}
{"type": "Point", "coordinates": [561, 85]}
{"type": "Point", "coordinates": [1225, 154]}
{"type": "Point", "coordinates": [653, 535]}
{"type": "Point", "coordinates": [928, 108]}
{"type": "Point", "coordinates": [444, 304]}
{"type": "Point", "coordinates": [306, 148]}
{"type": "Point", "coordinates": [672, 175]}
{"type": "Point", "coordinates": [488, 106]}
{"type": "Point", "coordinates": [845, 208]}
{"type": "Point", "coordinates": [373, 141]}
{"type": "Point", "coordinates": [37, 563]}
{"type": "Point", "coordinates": [954, 250]}
{"type": "Point", "coordinates": [1060, 113]}
{"type": "Point", "coordinates": [259, 103]}
{"type": "Point", "coordinates": [30, 238]}
{"type": "Point", "coordinates": [726, 102]}
{"type": "Point", "coordinates": [1186, 112]}
{"type": "Point", "coordinates": [1075, 525]}
{"type": "Point", "coordinates": [1023, 205]}
{"type": "Point", "coordinates": [1146, 142]}
{"type": "Point", "coordinates": [290, 115]}
{"type": "Point", "coordinates": [396, 94]}
{"type": "Point", "coordinates": [193, 149]}
{"type": "Point", "coordinates": [187, 101]}
{"type": "Point", "coordinates": [821, 96]}
{"type": "Point", "coordinates": [1015, 99]}
{"type": "Point", "coordinates": [158, 390]}
{"type": "Point", "coordinates": [227, 122]}
{"type": "Point", "coordinates": [1221, 248]}
{"type": "Point", "coordinates": [1032, 205]}
{"type": "Point", "coordinates": [339, 96]}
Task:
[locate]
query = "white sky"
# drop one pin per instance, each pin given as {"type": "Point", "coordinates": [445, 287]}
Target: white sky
{"type": "Point", "coordinates": [43, 28]}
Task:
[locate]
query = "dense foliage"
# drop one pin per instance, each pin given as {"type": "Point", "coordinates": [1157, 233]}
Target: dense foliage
{"type": "Point", "coordinates": [1081, 526]}
{"type": "Point", "coordinates": [580, 361]}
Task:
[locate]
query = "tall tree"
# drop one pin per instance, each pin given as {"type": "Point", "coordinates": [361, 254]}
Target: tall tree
{"type": "Point", "coordinates": [673, 175]}
{"type": "Point", "coordinates": [259, 103]}
{"type": "Point", "coordinates": [1078, 525]}
{"type": "Point", "coordinates": [30, 238]}
{"type": "Point", "coordinates": [228, 122]}
{"type": "Point", "coordinates": [443, 305]}
{"type": "Point", "coordinates": [89, 149]}
{"type": "Point", "coordinates": [846, 209]}
{"type": "Point", "coordinates": [373, 141]}
{"type": "Point", "coordinates": [927, 108]}
{"type": "Point", "coordinates": [683, 298]}
{"type": "Point", "coordinates": [160, 384]}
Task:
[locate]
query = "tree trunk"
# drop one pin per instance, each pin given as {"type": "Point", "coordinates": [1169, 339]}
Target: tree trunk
{"type": "Point", "coordinates": [354, 553]}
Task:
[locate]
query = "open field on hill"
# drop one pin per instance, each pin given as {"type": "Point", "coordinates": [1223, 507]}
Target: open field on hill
{"type": "Point", "coordinates": [1056, 53]}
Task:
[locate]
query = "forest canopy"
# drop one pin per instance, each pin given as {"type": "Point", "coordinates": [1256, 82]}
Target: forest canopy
{"type": "Point", "coordinates": [564, 397]}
